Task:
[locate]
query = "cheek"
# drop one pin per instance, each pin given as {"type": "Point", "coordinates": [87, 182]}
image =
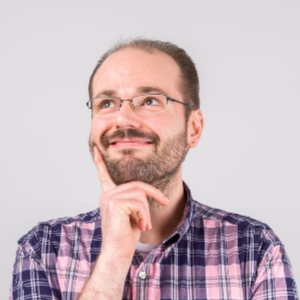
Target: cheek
{"type": "Point", "coordinates": [98, 127]}
{"type": "Point", "coordinates": [167, 128]}
{"type": "Point", "coordinates": [159, 125]}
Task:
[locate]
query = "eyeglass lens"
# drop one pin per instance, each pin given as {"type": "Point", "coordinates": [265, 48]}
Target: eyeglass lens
{"type": "Point", "coordinates": [144, 104]}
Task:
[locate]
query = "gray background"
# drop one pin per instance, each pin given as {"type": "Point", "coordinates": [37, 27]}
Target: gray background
{"type": "Point", "coordinates": [248, 57]}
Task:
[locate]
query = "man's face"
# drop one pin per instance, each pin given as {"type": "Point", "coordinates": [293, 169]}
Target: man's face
{"type": "Point", "coordinates": [135, 147]}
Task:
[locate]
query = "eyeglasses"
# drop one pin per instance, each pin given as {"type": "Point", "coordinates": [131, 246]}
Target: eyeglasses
{"type": "Point", "coordinates": [142, 104]}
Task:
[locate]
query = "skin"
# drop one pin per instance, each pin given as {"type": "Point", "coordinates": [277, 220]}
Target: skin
{"type": "Point", "coordinates": [126, 216]}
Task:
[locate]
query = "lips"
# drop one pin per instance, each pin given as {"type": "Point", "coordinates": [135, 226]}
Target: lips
{"type": "Point", "coordinates": [130, 143]}
{"type": "Point", "coordinates": [129, 138]}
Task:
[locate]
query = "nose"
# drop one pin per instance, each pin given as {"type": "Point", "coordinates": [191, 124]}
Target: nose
{"type": "Point", "coordinates": [126, 116]}
{"type": "Point", "coordinates": [130, 103]}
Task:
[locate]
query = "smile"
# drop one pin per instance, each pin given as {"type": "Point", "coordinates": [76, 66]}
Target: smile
{"type": "Point", "coordinates": [130, 143]}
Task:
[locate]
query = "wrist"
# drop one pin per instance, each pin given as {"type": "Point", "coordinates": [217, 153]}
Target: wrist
{"type": "Point", "coordinates": [113, 268]}
{"type": "Point", "coordinates": [107, 279]}
{"type": "Point", "coordinates": [110, 261]}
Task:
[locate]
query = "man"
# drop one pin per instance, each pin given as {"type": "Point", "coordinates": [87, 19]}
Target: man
{"type": "Point", "coordinates": [150, 239]}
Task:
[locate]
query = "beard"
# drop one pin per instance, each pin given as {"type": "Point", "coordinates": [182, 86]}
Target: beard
{"type": "Point", "coordinates": [157, 169]}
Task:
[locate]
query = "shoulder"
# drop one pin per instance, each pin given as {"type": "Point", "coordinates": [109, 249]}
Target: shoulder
{"type": "Point", "coordinates": [245, 228]}
{"type": "Point", "coordinates": [207, 216]}
{"type": "Point", "coordinates": [243, 245]}
{"type": "Point", "coordinates": [219, 216]}
{"type": "Point", "coordinates": [51, 233]}
{"type": "Point", "coordinates": [253, 241]}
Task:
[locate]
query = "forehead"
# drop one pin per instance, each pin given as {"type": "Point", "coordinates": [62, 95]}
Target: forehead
{"type": "Point", "coordinates": [129, 69]}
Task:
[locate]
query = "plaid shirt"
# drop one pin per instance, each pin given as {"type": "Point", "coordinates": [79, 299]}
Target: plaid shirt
{"type": "Point", "coordinates": [211, 255]}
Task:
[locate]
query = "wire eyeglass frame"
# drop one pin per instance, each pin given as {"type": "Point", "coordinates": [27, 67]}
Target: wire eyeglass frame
{"type": "Point", "coordinates": [89, 103]}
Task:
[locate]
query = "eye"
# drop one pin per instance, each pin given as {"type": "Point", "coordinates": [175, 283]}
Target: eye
{"type": "Point", "coordinates": [107, 103]}
{"type": "Point", "coordinates": [150, 101]}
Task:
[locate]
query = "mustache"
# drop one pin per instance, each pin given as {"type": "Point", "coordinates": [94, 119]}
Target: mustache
{"type": "Point", "coordinates": [127, 134]}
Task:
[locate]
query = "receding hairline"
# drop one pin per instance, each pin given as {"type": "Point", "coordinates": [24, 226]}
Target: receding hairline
{"type": "Point", "coordinates": [148, 50]}
{"type": "Point", "coordinates": [188, 83]}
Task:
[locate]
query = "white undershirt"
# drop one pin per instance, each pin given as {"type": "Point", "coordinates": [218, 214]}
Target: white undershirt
{"type": "Point", "coordinates": [145, 249]}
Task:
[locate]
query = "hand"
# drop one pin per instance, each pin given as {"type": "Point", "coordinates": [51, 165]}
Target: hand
{"type": "Point", "coordinates": [124, 212]}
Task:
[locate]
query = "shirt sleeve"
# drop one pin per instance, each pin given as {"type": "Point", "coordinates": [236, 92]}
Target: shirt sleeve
{"type": "Point", "coordinates": [30, 280]}
{"type": "Point", "coordinates": [274, 279]}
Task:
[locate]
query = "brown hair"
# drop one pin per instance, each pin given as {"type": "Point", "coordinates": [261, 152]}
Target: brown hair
{"type": "Point", "coordinates": [189, 86]}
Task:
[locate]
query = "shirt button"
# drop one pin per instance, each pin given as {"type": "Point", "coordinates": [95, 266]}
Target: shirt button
{"type": "Point", "coordinates": [142, 275]}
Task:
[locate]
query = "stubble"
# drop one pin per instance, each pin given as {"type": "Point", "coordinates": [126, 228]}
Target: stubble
{"type": "Point", "coordinates": [158, 169]}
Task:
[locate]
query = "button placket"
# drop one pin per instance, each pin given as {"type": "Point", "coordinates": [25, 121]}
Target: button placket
{"type": "Point", "coordinates": [142, 275]}
{"type": "Point", "coordinates": [167, 251]}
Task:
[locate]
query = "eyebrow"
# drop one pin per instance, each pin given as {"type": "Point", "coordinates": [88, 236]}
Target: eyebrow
{"type": "Point", "coordinates": [151, 89]}
{"type": "Point", "coordinates": [140, 90]}
{"type": "Point", "coordinates": [109, 93]}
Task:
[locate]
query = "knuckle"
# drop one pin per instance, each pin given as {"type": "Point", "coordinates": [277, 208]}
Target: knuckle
{"type": "Point", "coordinates": [112, 203]}
{"type": "Point", "coordinates": [104, 199]}
{"type": "Point", "coordinates": [144, 205]}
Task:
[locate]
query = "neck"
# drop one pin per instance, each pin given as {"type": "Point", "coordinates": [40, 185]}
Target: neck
{"type": "Point", "coordinates": [166, 218]}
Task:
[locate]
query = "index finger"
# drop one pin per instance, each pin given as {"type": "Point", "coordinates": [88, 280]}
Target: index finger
{"type": "Point", "coordinates": [104, 177]}
{"type": "Point", "coordinates": [150, 191]}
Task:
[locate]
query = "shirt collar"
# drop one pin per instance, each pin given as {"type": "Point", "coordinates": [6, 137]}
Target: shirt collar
{"type": "Point", "coordinates": [186, 220]}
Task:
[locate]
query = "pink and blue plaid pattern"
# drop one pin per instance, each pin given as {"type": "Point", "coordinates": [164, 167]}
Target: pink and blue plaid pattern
{"type": "Point", "coordinates": [212, 255]}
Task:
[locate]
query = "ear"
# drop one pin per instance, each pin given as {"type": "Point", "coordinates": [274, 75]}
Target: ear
{"type": "Point", "coordinates": [195, 127]}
